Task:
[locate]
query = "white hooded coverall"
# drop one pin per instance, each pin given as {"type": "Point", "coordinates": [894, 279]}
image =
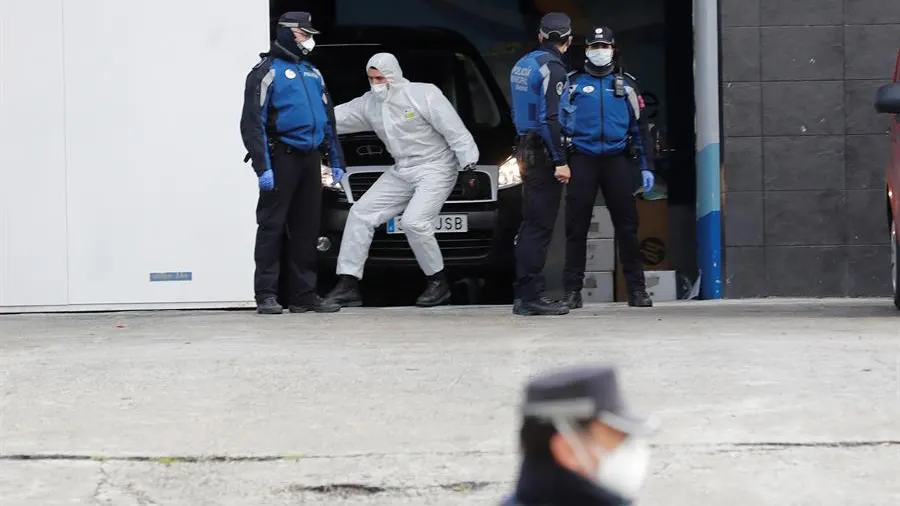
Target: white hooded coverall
{"type": "Point", "coordinates": [429, 143]}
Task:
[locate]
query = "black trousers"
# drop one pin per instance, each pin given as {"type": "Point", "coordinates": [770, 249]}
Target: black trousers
{"type": "Point", "coordinates": [541, 196]}
{"type": "Point", "coordinates": [615, 177]}
{"type": "Point", "coordinates": [289, 212]}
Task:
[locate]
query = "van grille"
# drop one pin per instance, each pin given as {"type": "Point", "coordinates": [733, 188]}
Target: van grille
{"type": "Point", "coordinates": [463, 245]}
{"type": "Point", "coordinates": [360, 182]}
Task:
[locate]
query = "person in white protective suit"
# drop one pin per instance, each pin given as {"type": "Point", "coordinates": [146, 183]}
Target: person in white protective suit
{"type": "Point", "coordinates": [429, 144]}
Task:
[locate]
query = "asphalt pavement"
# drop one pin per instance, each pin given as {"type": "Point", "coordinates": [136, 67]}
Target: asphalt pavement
{"type": "Point", "coordinates": [781, 402]}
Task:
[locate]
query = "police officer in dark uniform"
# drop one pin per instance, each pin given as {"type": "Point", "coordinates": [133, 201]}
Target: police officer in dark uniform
{"type": "Point", "coordinates": [538, 80]}
{"type": "Point", "coordinates": [607, 143]}
{"type": "Point", "coordinates": [287, 116]}
{"type": "Point", "coordinates": [580, 445]}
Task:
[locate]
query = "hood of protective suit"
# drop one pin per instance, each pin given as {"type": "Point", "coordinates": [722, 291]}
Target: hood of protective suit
{"type": "Point", "coordinates": [387, 64]}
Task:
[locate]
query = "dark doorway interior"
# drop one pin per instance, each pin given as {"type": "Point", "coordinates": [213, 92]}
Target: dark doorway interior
{"type": "Point", "coordinates": [656, 39]}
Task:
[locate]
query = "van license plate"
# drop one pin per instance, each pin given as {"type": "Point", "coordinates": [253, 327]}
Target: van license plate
{"type": "Point", "coordinates": [443, 224]}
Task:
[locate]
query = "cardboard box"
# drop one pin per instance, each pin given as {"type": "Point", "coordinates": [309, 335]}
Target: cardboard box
{"type": "Point", "coordinates": [598, 287]}
{"type": "Point", "coordinates": [601, 224]}
{"type": "Point", "coordinates": [661, 285]}
{"type": "Point", "coordinates": [600, 255]}
{"type": "Point", "coordinates": [653, 239]}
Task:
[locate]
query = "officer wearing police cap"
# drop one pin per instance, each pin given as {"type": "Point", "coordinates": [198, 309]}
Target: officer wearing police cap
{"type": "Point", "coordinates": [581, 446]}
{"type": "Point", "coordinates": [608, 146]}
{"type": "Point", "coordinates": [537, 81]}
{"type": "Point", "coordinates": [287, 116]}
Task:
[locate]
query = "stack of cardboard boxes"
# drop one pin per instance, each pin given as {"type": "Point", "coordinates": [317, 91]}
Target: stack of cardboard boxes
{"type": "Point", "coordinates": [600, 262]}
{"type": "Point", "coordinates": [603, 278]}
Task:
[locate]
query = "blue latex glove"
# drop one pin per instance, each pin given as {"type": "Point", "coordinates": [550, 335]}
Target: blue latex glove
{"type": "Point", "coordinates": [648, 180]}
{"type": "Point", "coordinates": [337, 174]}
{"type": "Point", "coordinates": [267, 181]}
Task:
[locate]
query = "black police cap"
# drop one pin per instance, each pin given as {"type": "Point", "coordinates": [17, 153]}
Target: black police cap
{"type": "Point", "coordinates": [582, 393]}
{"type": "Point", "coordinates": [556, 26]}
{"type": "Point", "coordinates": [598, 35]}
{"type": "Point", "coordinates": [298, 19]}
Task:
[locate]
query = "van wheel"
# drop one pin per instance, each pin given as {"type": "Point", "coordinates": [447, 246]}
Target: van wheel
{"type": "Point", "coordinates": [895, 271]}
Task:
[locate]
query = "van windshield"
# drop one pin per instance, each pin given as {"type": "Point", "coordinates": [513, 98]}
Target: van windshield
{"type": "Point", "coordinates": [455, 74]}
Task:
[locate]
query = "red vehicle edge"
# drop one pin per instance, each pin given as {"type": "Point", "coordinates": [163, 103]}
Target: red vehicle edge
{"type": "Point", "coordinates": [887, 101]}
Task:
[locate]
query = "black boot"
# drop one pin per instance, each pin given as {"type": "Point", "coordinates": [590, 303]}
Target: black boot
{"type": "Point", "coordinates": [639, 298]}
{"type": "Point", "coordinates": [573, 299]}
{"type": "Point", "coordinates": [317, 305]}
{"type": "Point", "coordinates": [269, 305]}
{"type": "Point", "coordinates": [543, 306]}
{"type": "Point", "coordinates": [345, 293]}
{"type": "Point", "coordinates": [436, 293]}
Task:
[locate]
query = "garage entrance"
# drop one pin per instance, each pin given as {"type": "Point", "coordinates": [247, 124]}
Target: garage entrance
{"type": "Point", "coordinates": [655, 38]}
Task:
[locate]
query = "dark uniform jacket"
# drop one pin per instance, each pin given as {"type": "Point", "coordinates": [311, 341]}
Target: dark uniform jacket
{"type": "Point", "coordinates": [537, 82]}
{"type": "Point", "coordinates": [547, 484]}
{"type": "Point", "coordinates": [286, 100]}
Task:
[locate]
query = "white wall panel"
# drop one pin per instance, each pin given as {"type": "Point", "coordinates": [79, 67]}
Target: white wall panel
{"type": "Point", "coordinates": [156, 180]}
{"type": "Point", "coordinates": [32, 154]}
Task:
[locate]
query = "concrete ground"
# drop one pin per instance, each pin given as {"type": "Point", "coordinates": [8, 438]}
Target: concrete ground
{"type": "Point", "coordinates": [760, 402]}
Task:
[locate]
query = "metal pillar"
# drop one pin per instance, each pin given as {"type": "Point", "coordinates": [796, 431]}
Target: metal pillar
{"type": "Point", "coordinates": [706, 97]}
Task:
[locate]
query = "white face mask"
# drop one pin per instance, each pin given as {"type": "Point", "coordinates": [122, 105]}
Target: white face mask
{"type": "Point", "coordinates": [624, 470]}
{"type": "Point", "coordinates": [380, 90]}
{"type": "Point", "coordinates": [308, 44]}
{"type": "Point", "coordinates": [600, 57]}
{"type": "Point", "coordinates": [621, 471]}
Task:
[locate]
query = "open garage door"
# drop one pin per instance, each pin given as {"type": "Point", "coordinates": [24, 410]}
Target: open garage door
{"type": "Point", "coordinates": [655, 38]}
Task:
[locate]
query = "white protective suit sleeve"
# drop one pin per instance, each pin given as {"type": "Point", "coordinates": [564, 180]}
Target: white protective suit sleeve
{"type": "Point", "coordinates": [439, 112]}
{"type": "Point", "coordinates": [351, 117]}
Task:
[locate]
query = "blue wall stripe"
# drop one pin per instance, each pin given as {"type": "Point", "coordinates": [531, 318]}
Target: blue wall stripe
{"type": "Point", "coordinates": [708, 176]}
{"type": "Point", "coordinates": [709, 222]}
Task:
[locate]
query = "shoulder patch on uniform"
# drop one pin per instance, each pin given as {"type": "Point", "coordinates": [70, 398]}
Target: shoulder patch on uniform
{"type": "Point", "coordinates": [559, 88]}
{"type": "Point", "coordinates": [588, 89]}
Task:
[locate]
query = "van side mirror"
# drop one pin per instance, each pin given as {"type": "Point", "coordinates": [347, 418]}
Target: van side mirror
{"type": "Point", "coordinates": [887, 99]}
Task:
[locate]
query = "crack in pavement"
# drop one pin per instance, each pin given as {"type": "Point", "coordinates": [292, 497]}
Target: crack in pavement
{"type": "Point", "coordinates": [356, 489]}
{"type": "Point", "coordinates": [105, 488]}
{"type": "Point", "coordinates": [102, 484]}
{"type": "Point", "coordinates": [201, 459]}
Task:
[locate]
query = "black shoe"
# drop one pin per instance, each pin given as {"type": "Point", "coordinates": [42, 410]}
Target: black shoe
{"type": "Point", "coordinates": [543, 306]}
{"type": "Point", "coordinates": [573, 299]}
{"type": "Point", "coordinates": [436, 293]}
{"type": "Point", "coordinates": [269, 305]}
{"type": "Point", "coordinates": [639, 298]}
{"type": "Point", "coordinates": [317, 305]}
{"type": "Point", "coordinates": [345, 293]}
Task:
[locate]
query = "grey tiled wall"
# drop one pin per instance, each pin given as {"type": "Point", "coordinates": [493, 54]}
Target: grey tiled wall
{"type": "Point", "coordinates": [804, 151]}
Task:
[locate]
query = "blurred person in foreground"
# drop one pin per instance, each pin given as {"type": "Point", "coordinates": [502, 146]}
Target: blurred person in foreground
{"type": "Point", "coordinates": [580, 445]}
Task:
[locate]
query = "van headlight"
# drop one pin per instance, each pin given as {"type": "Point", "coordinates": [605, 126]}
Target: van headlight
{"type": "Point", "coordinates": [328, 180]}
{"type": "Point", "coordinates": [509, 174]}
